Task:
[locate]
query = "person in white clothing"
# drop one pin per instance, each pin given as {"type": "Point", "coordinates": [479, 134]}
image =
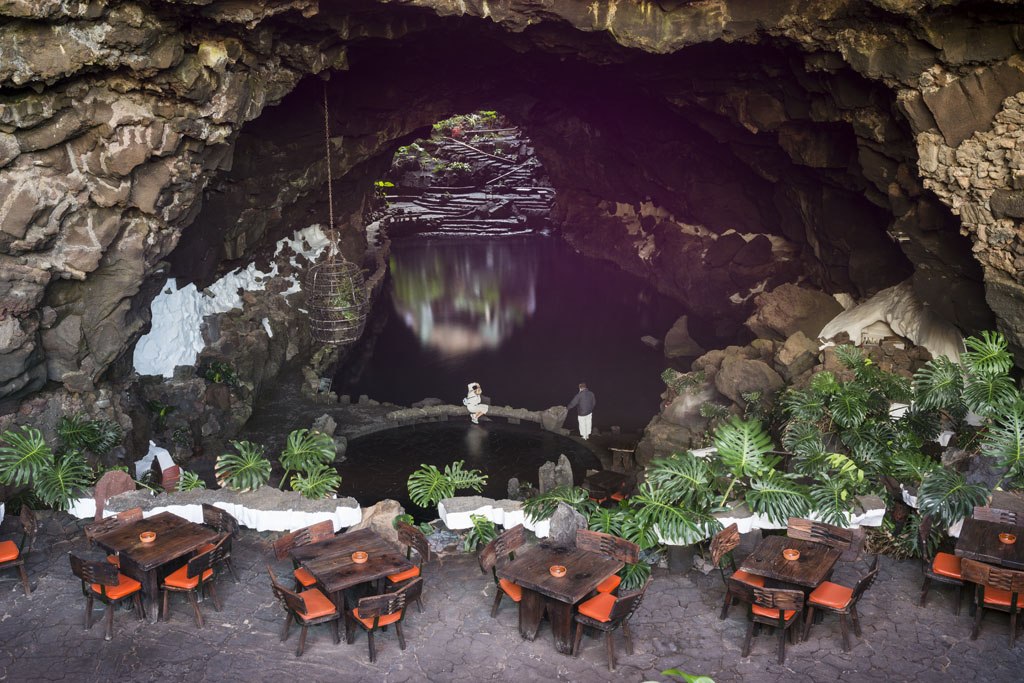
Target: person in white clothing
{"type": "Point", "coordinates": [474, 403]}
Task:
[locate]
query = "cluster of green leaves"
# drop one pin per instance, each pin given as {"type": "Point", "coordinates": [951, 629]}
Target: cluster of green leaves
{"type": "Point", "coordinates": [428, 485]}
{"type": "Point", "coordinates": [307, 454]}
{"type": "Point", "coordinates": [319, 481]}
{"type": "Point", "coordinates": [190, 481]}
{"type": "Point", "coordinates": [477, 119]}
{"type": "Point", "coordinates": [78, 432]}
{"type": "Point", "coordinates": [26, 460]}
{"type": "Point", "coordinates": [246, 469]}
{"type": "Point", "coordinates": [481, 533]}
{"type": "Point", "coordinates": [220, 372]}
{"type": "Point", "coordinates": [682, 382]}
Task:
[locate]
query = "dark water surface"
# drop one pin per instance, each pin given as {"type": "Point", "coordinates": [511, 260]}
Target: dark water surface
{"type": "Point", "coordinates": [528, 318]}
{"type": "Point", "coordinates": [377, 466]}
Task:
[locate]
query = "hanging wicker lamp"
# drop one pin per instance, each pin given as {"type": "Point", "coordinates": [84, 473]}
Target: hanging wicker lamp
{"type": "Point", "coordinates": [337, 300]}
{"type": "Point", "coordinates": [335, 288]}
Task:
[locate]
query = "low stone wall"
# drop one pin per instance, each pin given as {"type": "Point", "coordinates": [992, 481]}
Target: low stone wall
{"type": "Point", "coordinates": [267, 509]}
{"type": "Point", "coordinates": [456, 513]}
{"type": "Point", "coordinates": [551, 419]}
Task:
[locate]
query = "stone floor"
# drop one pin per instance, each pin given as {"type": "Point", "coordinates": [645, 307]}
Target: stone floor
{"type": "Point", "coordinates": [454, 639]}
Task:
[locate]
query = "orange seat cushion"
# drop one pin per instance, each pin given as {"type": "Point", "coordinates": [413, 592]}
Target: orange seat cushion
{"type": "Point", "coordinates": [609, 584]}
{"type": "Point", "coordinates": [385, 619]}
{"type": "Point", "coordinates": [404, 576]}
{"type": "Point", "coordinates": [125, 586]}
{"type": "Point", "coordinates": [771, 613]}
{"type": "Point", "coordinates": [597, 500]}
{"type": "Point", "coordinates": [945, 564]}
{"type": "Point", "coordinates": [598, 607]}
{"type": "Point", "coordinates": [618, 496]}
{"type": "Point", "coordinates": [8, 551]}
{"type": "Point", "coordinates": [317, 604]}
{"type": "Point", "coordinates": [1001, 598]}
{"type": "Point", "coordinates": [205, 548]}
{"type": "Point", "coordinates": [512, 590]}
{"type": "Point", "coordinates": [752, 579]}
{"type": "Point", "coordinates": [304, 577]}
{"type": "Point", "coordinates": [114, 560]}
{"type": "Point", "coordinates": [831, 595]}
{"type": "Point", "coordinates": [180, 579]}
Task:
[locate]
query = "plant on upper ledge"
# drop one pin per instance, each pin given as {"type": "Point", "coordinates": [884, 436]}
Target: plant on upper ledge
{"type": "Point", "coordinates": [245, 470]}
{"type": "Point", "coordinates": [319, 481]}
{"type": "Point", "coordinates": [428, 486]}
{"type": "Point", "coordinates": [305, 451]}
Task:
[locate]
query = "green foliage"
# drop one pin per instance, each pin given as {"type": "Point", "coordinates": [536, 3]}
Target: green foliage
{"type": "Point", "coordinates": [742, 445]}
{"type": "Point", "coordinates": [940, 385]}
{"type": "Point", "coordinates": [428, 486]}
{"type": "Point", "coordinates": [680, 382]}
{"type": "Point", "coordinates": [832, 499]}
{"type": "Point", "coordinates": [912, 466]}
{"type": "Point", "coordinates": [947, 497]}
{"type": "Point", "coordinates": [78, 432]}
{"type": "Point", "coordinates": [849, 406]}
{"type": "Point", "coordinates": [634, 576]}
{"type": "Point", "coordinates": [687, 678]}
{"type": "Point", "coordinates": [24, 457]}
{"type": "Point", "coordinates": [245, 470]}
{"type": "Point", "coordinates": [542, 506]}
{"type": "Point", "coordinates": [319, 481]}
{"type": "Point", "coordinates": [608, 520]}
{"type": "Point", "coordinates": [657, 513]}
{"type": "Point", "coordinates": [306, 450]}
{"type": "Point", "coordinates": [161, 411]}
{"type": "Point", "coordinates": [987, 355]}
{"type": "Point", "coordinates": [220, 372]}
{"type": "Point", "coordinates": [482, 532]}
{"type": "Point", "coordinates": [687, 478]}
{"type": "Point", "coordinates": [1004, 441]}
{"type": "Point", "coordinates": [58, 486]}
{"type": "Point", "coordinates": [777, 497]}
{"type": "Point", "coordinates": [190, 481]}
{"type": "Point", "coordinates": [710, 410]}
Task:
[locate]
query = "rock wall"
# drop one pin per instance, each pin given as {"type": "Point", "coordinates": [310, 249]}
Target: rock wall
{"type": "Point", "coordinates": [717, 147]}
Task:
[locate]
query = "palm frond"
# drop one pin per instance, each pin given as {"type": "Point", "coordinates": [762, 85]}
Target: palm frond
{"type": "Point", "coordinates": [607, 520]}
{"type": "Point", "coordinates": [911, 467]}
{"type": "Point", "coordinates": [849, 355]}
{"type": "Point", "coordinates": [59, 485]}
{"type": "Point", "coordinates": [77, 431]}
{"type": "Point", "coordinates": [987, 355]}
{"type": "Point", "coordinates": [947, 497]}
{"type": "Point", "coordinates": [832, 500]}
{"type": "Point", "coordinates": [246, 470]}
{"type": "Point", "coordinates": [319, 481]}
{"type": "Point", "coordinates": [939, 385]}
{"type": "Point", "coordinates": [686, 477]}
{"type": "Point", "coordinates": [542, 506]}
{"type": "Point", "coordinates": [655, 512]}
{"type": "Point", "coordinates": [634, 576]}
{"type": "Point", "coordinates": [305, 449]}
{"type": "Point", "coordinates": [804, 406]}
{"type": "Point", "coordinates": [190, 481]}
{"type": "Point", "coordinates": [777, 497]}
{"type": "Point", "coordinates": [824, 383]}
{"type": "Point", "coordinates": [849, 405]}
{"type": "Point", "coordinates": [989, 394]}
{"type": "Point", "coordinates": [24, 457]}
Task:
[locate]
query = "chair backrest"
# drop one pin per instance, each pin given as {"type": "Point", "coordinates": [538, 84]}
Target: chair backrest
{"type": "Point", "coordinates": [30, 527]}
{"type": "Point", "coordinates": [413, 539]}
{"type": "Point", "coordinates": [627, 603]}
{"type": "Point", "coordinates": [609, 545]}
{"type": "Point", "coordinates": [488, 558]}
{"type": "Point", "coordinates": [130, 515]}
{"type": "Point", "coordinates": [378, 606]}
{"type": "Point", "coordinates": [93, 571]}
{"type": "Point", "coordinates": [819, 532]}
{"type": "Point", "coordinates": [991, 576]}
{"type": "Point", "coordinates": [509, 541]}
{"type": "Point", "coordinates": [111, 484]}
{"type": "Point", "coordinates": [723, 543]}
{"type": "Point", "coordinates": [314, 533]}
{"type": "Point", "coordinates": [203, 561]}
{"type": "Point", "coordinates": [169, 478]}
{"type": "Point", "coordinates": [924, 531]}
{"type": "Point", "coordinates": [865, 582]}
{"type": "Point", "coordinates": [220, 519]}
{"type": "Point", "coordinates": [290, 600]}
{"type": "Point", "coordinates": [771, 598]}
{"type": "Point", "coordinates": [997, 515]}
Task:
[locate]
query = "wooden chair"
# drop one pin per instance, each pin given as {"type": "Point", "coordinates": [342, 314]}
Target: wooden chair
{"type": "Point", "coordinates": [498, 552]}
{"type": "Point", "coordinates": [225, 523]}
{"type": "Point", "coordinates": [102, 581]}
{"type": "Point", "coordinates": [308, 608]}
{"type": "Point", "coordinates": [819, 532]}
{"type": "Point", "coordinates": [833, 597]}
{"type": "Point", "coordinates": [14, 555]}
{"type": "Point", "coordinates": [776, 607]}
{"type": "Point", "coordinates": [193, 578]}
{"type": "Point", "coordinates": [625, 491]}
{"type": "Point", "coordinates": [321, 531]}
{"type": "Point", "coordinates": [380, 611]}
{"type": "Point", "coordinates": [607, 612]}
{"type": "Point", "coordinates": [611, 546]}
{"type": "Point", "coordinates": [108, 486]}
{"type": "Point", "coordinates": [997, 588]}
{"type": "Point", "coordinates": [941, 567]}
{"type": "Point", "coordinates": [722, 545]}
{"type": "Point", "coordinates": [997, 515]}
{"type": "Point", "coordinates": [413, 539]}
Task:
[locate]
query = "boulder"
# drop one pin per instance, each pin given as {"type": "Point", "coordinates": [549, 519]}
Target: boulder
{"type": "Point", "coordinates": [553, 418]}
{"type": "Point", "coordinates": [650, 341]}
{"type": "Point", "coordinates": [564, 525]}
{"type": "Point", "coordinates": [428, 402]}
{"type": "Point", "coordinates": [740, 376]}
{"type": "Point", "coordinates": [798, 355]}
{"type": "Point", "coordinates": [791, 308]}
{"type": "Point", "coordinates": [379, 518]}
{"type": "Point", "coordinates": [679, 343]}
{"type": "Point", "coordinates": [326, 424]}
{"type": "Point", "coordinates": [563, 471]}
{"type": "Point", "coordinates": [546, 479]}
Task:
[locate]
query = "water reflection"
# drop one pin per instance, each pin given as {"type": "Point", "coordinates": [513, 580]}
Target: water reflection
{"type": "Point", "coordinates": [459, 299]}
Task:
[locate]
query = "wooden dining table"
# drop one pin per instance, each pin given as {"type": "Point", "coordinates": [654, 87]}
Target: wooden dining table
{"type": "Point", "coordinates": [148, 563]}
{"type": "Point", "coordinates": [330, 562]}
{"type": "Point", "coordinates": [979, 540]}
{"type": "Point", "coordinates": [808, 571]}
{"type": "Point", "coordinates": [555, 596]}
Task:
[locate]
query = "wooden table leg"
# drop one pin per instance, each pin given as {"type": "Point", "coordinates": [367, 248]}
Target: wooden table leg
{"type": "Point", "coordinates": [531, 611]}
{"type": "Point", "coordinates": [150, 586]}
{"type": "Point", "coordinates": [560, 616]}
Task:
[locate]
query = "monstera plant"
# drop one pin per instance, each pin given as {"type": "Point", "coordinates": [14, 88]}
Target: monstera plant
{"type": "Point", "coordinates": [428, 485]}
{"type": "Point", "coordinates": [305, 451]}
{"type": "Point", "coordinates": [247, 469]}
{"type": "Point", "coordinates": [26, 460]}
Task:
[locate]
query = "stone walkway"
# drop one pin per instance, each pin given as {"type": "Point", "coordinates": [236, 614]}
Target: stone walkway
{"type": "Point", "coordinates": [42, 638]}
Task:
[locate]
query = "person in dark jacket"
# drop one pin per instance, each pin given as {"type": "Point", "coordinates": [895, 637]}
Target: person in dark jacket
{"type": "Point", "coordinates": [584, 402]}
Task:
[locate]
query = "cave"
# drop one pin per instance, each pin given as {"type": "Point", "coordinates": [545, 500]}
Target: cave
{"type": "Point", "coordinates": [716, 154]}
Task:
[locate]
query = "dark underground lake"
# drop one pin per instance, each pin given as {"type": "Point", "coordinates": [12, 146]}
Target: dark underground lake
{"type": "Point", "coordinates": [527, 317]}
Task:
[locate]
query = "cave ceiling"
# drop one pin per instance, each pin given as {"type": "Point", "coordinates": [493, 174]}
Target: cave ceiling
{"type": "Point", "coordinates": [715, 148]}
